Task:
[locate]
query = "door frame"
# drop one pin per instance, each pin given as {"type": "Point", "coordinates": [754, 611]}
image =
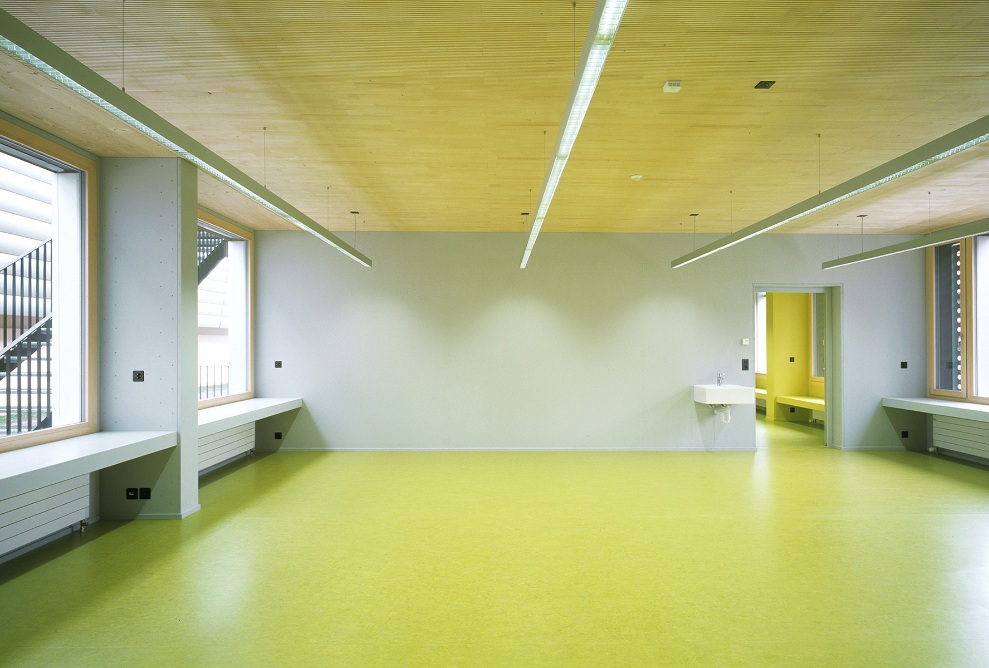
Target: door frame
{"type": "Point", "coordinates": [833, 422]}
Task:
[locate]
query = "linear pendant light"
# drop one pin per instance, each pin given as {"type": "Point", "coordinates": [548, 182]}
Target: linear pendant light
{"type": "Point", "coordinates": [934, 239]}
{"type": "Point", "coordinates": [954, 142]}
{"type": "Point", "coordinates": [600, 35]}
{"type": "Point", "coordinates": [28, 46]}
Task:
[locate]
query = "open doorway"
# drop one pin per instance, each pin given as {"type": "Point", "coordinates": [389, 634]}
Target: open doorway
{"type": "Point", "coordinates": [797, 357]}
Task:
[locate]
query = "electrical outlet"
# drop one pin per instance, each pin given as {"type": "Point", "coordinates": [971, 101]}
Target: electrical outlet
{"type": "Point", "coordinates": [131, 493]}
{"type": "Point", "coordinates": [792, 409]}
{"type": "Point", "coordinates": [745, 365]}
{"type": "Point", "coordinates": [792, 359]}
{"type": "Point", "coordinates": [278, 364]}
{"type": "Point", "coordinates": [138, 376]}
{"type": "Point", "coordinates": [144, 493]}
{"type": "Point", "coordinates": [903, 365]}
{"type": "Point", "coordinates": [278, 435]}
{"type": "Point", "coordinates": [904, 434]}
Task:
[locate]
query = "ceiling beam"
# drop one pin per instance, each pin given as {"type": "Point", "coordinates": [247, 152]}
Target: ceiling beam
{"type": "Point", "coordinates": [965, 137]}
{"type": "Point", "coordinates": [20, 41]}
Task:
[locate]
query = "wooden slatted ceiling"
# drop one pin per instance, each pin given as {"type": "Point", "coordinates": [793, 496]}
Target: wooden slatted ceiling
{"type": "Point", "coordinates": [440, 115]}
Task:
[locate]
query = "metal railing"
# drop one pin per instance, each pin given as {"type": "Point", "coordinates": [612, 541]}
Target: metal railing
{"type": "Point", "coordinates": [25, 285]}
{"type": "Point", "coordinates": [25, 386]}
{"type": "Point", "coordinates": [214, 381]}
{"type": "Point", "coordinates": [26, 358]}
{"type": "Point", "coordinates": [211, 248]}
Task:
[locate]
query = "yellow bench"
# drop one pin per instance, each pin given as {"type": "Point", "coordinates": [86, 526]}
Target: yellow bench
{"type": "Point", "coordinates": [810, 403]}
{"type": "Point", "coordinates": [813, 404]}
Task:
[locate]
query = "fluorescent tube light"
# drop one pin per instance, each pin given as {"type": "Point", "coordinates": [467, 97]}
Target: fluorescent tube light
{"type": "Point", "coordinates": [600, 35]}
{"type": "Point", "coordinates": [28, 46]}
{"type": "Point", "coordinates": [954, 142]}
{"type": "Point", "coordinates": [934, 239]}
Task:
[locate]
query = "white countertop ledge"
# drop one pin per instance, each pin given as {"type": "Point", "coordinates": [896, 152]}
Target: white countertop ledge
{"type": "Point", "coordinates": [226, 416]}
{"type": "Point", "coordinates": [945, 407]}
{"type": "Point", "coordinates": [40, 465]}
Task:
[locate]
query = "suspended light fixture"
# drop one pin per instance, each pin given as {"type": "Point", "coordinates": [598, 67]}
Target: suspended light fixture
{"type": "Point", "coordinates": [954, 142]}
{"type": "Point", "coordinates": [28, 46]}
{"type": "Point", "coordinates": [600, 36]}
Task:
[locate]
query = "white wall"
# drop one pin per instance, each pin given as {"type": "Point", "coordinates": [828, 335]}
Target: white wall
{"type": "Point", "coordinates": [445, 343]}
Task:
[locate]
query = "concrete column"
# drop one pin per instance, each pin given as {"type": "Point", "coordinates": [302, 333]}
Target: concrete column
{"type": "Point", "coordinates": [148, 322]}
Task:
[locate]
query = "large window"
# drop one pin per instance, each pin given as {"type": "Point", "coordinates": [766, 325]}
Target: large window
{"type": "Point", "coordinates": [818, 330]}
{"type": "Point", "coordinates": [224, 254]}
{"type": "Point", "coordinates": [959, 320]}
{"type": "Point", "coordinates": [46, 357]}
{"type": "Point", "coordinates": [760, 333]}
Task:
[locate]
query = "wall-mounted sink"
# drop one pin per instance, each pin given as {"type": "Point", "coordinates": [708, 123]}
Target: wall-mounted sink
{"type": "Point", "coordinates": [716, 395]}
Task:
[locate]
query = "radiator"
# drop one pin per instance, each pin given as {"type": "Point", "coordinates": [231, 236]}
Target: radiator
{"type": "Point", "coordinates": [223, 445]}
{"type": "Point", "coordinates": [970, 437]}
{"type": "Point", "coordinates": [31, 516]}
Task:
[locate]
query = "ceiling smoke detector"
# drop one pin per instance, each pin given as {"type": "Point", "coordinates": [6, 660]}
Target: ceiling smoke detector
{"type": "Point", "coordinates": [672, 86]}
{"type": "Point", "coordinates": [636, 177]}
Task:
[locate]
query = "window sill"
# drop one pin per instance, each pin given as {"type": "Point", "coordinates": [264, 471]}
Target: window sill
{"type": "Point", "coordinates": [945, 407]}
{"type": "Point", "coordinates": [49, 463]}
{"type": "Point", "coordinates": [226, 416]}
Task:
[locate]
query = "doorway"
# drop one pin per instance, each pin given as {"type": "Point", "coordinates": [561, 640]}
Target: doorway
{"type": "Point", "coordinates": [798, 356]}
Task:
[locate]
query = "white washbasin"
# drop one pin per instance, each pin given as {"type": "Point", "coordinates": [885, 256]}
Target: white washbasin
{"type": "Point", "coordinates": [716, 395]}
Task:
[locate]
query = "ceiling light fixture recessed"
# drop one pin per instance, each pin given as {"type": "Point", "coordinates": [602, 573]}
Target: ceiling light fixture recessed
{"type": "Point", "coordinates": [21, 42]}
{"type": "Point", "coordinates": [765, 84]}
{"type": "Point", "coordinates": [672, 86]}
{"type": "Point", "coordinates": [600, 36]}
{"type": "Point", "coordinates": [636, 177]}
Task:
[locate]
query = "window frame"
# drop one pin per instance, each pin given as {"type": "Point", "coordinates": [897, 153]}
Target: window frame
{"type": "Point", "coordinates": [967, 301]}
{"type": "Point", "coordinates": [216, 221]}
{"type": "Point", "coordinates": [88, 167]}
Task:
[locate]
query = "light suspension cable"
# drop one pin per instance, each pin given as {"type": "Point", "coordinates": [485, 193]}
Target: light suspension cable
{"type": "Point", "coordinates": [600, 36]}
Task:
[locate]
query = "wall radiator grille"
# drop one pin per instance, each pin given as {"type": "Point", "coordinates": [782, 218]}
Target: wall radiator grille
{"type": "Point", "coordinates": [970, 437]}
{"type": "Point", "coordinates": [31, 516]}
{"type": "Point", "coordinates": [223, 445]}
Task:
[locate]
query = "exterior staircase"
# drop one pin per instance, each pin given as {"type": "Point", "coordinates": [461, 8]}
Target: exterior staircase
{"type": "Point", "coordinates": [26, 203]}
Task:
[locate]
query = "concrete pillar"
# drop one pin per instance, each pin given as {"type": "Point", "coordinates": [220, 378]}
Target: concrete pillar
{"type": "Point", "coordinates": [148, 322]}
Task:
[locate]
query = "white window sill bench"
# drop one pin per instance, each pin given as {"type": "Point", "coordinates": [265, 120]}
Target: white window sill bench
{"type": "Point", "coordinates": [943, 407]}
{"type": "Point", "coordinates": [41, 465]}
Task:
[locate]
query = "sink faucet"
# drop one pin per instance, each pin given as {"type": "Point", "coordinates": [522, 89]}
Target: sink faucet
{"type": "Point", "coordinates": [721, 378]}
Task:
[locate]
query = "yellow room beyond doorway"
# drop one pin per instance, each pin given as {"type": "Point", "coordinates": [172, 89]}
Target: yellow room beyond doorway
{"type": "Point", "coordinates": [791, 371]}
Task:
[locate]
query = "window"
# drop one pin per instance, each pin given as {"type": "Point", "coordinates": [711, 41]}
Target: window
{"type": "Point", "coordinates": [760, 332]}
{"type": "Point", "coordinates": [818, 329]}
{"type": "Point", "coordinates": [223, 255]}
{"type": "Point", "coordinates": [47, 355]}
{"type": "Point", "coordinates": [958, 320]}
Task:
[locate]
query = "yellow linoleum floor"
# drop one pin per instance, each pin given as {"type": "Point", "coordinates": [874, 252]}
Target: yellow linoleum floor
{"type": "Point", "coordinates": [791, 556]}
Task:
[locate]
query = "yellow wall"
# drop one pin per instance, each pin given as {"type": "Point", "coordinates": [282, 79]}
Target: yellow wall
{"type": "Point", "coordinates": [787, 336]}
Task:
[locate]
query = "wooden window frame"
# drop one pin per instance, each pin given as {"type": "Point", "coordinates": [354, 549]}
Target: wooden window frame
{"type": "Point", "coordinates": [90, 170]}
{"type": "Point", "coordinates": [248, 236]}
{"type": "Point", "coordinates": [967, 303]}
